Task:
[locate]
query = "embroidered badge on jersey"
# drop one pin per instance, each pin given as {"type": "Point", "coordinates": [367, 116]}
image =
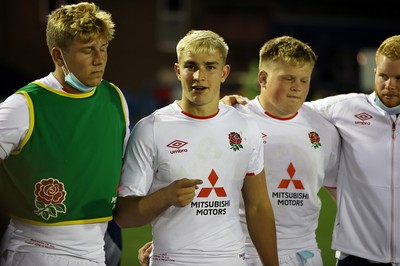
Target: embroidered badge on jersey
{"type": "Point", "coordinates": [363, 117]}
{"type": "Point", "coordinates": [235, 140]}
{"type": "Point", "coordinates": [177, 145]}
{"type": "Point", "coordinates": [49, 197]}
{"type": "Point", "coordinates": [314, 139]}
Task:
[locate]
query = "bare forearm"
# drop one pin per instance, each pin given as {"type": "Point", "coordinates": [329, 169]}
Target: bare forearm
{"type": "Point", "coordinates": [261, 226]}
{"type": "Point", "coordinates": [138, 211]}
{"type": "Point", "coordinates": [260, 218]}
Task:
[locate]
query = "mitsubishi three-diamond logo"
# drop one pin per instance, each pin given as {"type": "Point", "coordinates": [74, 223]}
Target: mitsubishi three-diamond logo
{"type": "Point", "coordinates": [288, 197]}
{"type": "Point", "coordinates": [206, 191]}
{"type": "Point", "coordinates": [285, 182]}
{"type": "Point", "coordinates": [206, 205]}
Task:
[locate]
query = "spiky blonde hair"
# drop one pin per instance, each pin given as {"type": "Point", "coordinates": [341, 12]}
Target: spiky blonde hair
{"type": "Point", "coordinates": [202, 42]}
{"type": "Point", "coordinates": [84, 21]}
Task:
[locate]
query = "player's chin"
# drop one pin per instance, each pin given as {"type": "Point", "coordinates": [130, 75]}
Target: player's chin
{"type": "Point", "coordinates": [94, 82]}
{"type": "Point", "coordinates": [391, 101]}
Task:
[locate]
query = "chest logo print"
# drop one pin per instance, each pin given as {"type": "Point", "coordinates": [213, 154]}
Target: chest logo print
{"type": "Point", "coordinates": [206, 191]}
{"type": "Point", "coordinates": [177, 145]}
{"type": "Point", "coordinates": [314, 139]}
{"type": "Point", "coordinates": [235, 140]}
{"type": "Point", "coordinates": [286, 182]}
{"type": "Point", "coordinates": [49, 198]}
{"type": "Point", "coordinates": [363, 117]}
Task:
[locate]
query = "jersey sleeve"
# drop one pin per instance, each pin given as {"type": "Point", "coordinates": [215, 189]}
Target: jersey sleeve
{"type": "Point", "coordinates": [138, 167]}
{"type": "Point", "coordinates": [331, 171]}
{"type": "Point", "coordinates": [322, 106]}
{"type": "Point", "coordinates": [256, 164]}
{"type": "Point", "coordinates": [14, 123]}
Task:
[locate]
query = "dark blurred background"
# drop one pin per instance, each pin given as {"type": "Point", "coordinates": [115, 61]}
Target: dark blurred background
{"type": "Point", "coordinates": [344, 34]}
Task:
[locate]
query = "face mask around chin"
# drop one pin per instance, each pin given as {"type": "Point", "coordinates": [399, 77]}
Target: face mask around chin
{"type": "Point", "coordinates": [391, 111]}
{"type": "Point", "coordinates": [71, 80]}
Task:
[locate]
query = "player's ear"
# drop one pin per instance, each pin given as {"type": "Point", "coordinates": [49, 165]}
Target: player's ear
{"type": "Point", "coordinates": [225, 73]}
{"type": "Point", "coordinates": [262, 78]}
{"type": "Point", "coordinates": [56, 54]}
{"type": "Point", "coordinates": [177, 71]}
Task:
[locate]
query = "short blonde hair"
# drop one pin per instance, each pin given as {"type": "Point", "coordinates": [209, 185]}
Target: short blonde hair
{"type": "Point", "coordinates": [83, 20]}
{"type": "Point", "coordinates": [202, 42]}
{"type": "Point", "coordinates": [390, 48]}
{"type": "Point", "coordinates": [287, 49]}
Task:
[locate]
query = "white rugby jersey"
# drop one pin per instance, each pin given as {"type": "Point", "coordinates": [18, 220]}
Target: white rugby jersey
{"type": "Point", "coordinates": [298, 153]}
{"type": "Point", "coordinates": [368, 187]}
{"type": "Point", "coordinates": [221, 150]}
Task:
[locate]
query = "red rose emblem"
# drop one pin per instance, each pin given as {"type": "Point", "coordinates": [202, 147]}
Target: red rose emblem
{"type": "Point", "coordinates": [50, 191]}
{"type": "Point", "coordinates": [314, 139]}
{"type": "Point", "coordinates": [235, 140]}
{"type": "Point", "coordinates": [49, 197]}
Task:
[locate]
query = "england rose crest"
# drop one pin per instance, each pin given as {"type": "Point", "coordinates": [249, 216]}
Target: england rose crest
{"type": "Point", "coordinates": [235, 140]}
{"type": "Point", "coordinates": [314, 139]}
{"type": "Point", "coordinates": [49, 197]}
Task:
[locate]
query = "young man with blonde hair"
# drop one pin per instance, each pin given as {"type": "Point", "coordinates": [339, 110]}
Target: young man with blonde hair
{"type": "Point", "coordinates": [300, 149]}
{"type": "Point", "coordinates": [62, 140]}
{"type": "Point", "coordinates": [188, 165]}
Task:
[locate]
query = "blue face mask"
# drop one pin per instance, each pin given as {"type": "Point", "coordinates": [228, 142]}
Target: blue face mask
{"type": "Point", "coordinates": [73, 81]}
{"type": "Point", "coordinates": [390, 111]}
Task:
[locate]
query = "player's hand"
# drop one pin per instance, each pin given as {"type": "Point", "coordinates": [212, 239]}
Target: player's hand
{"type": "Point", "coordinates": [144, 254]}
{"type": "Point", "coordinates": [233, 99]}
{"type": "Point", "coordinates": [181, 192]}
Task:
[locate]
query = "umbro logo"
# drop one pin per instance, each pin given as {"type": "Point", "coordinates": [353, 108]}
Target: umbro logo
{"type": "Point", "coordinates": [177, 145]}
{"type": "Point", "coordinates": [363, 117]}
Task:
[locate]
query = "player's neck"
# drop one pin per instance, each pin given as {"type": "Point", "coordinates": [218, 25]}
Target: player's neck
{"type": "Point", "coordinates": [206, 110]}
